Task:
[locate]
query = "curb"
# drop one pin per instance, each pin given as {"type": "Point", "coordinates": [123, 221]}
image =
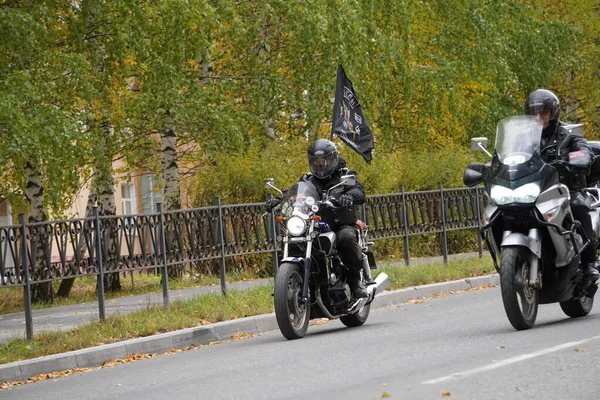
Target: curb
{"type": "Point", "coordinates": [202, 335]}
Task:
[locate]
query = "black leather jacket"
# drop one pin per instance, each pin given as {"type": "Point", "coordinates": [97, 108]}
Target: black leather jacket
{"type": "Point", "coordinates": [558, 135]}
{"type": "Point", "coordinates": [342, 216]}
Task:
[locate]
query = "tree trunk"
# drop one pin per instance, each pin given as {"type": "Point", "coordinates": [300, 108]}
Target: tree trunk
{"type": "Point", "coordinates": [64, 290]}
{"type": "Point", "coordinates": [172, 191]}
{"type": "Point", "coordinates": [103, 192]}
{"type": "Point", "coordinates": [40, 267]}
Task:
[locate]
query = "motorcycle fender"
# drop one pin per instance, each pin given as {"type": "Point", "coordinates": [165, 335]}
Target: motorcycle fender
{"type": "Point", "coordinates": [294, 260]}
{"type": "Point", "coordinates": [532, 241]}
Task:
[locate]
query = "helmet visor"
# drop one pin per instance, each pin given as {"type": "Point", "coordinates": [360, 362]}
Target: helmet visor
{"type": "Point", "coordinates": [537, 108]}
{"type": "Point", "coordinates": [323, 166]}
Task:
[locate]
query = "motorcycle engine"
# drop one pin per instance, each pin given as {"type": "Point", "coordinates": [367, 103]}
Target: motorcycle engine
{"type": "Point", "coordinates": [338, 291]}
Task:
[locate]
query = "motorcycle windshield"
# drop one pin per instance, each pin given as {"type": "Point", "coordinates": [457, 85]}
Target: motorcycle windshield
{"type": "Point", "coordinates": [300, 200]}
{"type": "Point", "coordinates": [518, 139]}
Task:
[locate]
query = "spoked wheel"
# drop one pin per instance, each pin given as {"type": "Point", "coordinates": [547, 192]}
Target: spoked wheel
{"type": "Point", "coordinates": [291, 312]}
{"type": "Point", "coordinates": [577, 307]}
{"type": "Point", "coordinates": [520, 300]}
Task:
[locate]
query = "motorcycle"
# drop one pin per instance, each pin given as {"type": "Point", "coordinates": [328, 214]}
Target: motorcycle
{"type": "Point", "coordinates": [310, 281]}
{"type": "Point", "coordinates": [528, 225]}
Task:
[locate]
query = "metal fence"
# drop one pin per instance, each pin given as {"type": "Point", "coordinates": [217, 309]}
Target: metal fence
{"type": "Point", "coordinates": [32, 253]}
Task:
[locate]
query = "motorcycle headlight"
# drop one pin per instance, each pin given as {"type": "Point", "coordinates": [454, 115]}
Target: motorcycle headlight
{"type": "Point", "coordinates": [524, 194]}
{"type": "Point", "coordinates": [296, 226]}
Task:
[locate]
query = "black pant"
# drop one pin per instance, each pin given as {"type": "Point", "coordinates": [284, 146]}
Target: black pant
{"type": "Point", "coordinates": [350, 253]}
{"type": "Point", "coordinates": [581, 212]}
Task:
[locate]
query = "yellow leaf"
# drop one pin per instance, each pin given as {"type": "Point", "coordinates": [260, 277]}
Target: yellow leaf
{"type": "Point", "coordinates": [446, 394]}
{"type": "Point", "coordinates": [386, 394]}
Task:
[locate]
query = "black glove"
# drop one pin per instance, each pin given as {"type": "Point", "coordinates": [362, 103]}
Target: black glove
{"type": "Point", "coordinates": [346, 201]}
{"type": "Point", "coordinates": [272, 203]}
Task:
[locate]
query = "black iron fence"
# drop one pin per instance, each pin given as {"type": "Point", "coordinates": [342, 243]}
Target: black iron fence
{"type": "Point", "coordinates": [32, 253]}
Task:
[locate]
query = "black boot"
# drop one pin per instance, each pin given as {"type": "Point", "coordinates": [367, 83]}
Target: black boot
{"type": "Point", "coordinates": [590, 272]}
{"type": "Point", "coordinates": [356, 286]}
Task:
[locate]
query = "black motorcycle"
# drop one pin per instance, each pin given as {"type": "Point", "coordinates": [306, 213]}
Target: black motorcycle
{"type": "Point", "coordinates": [311, 279]}
{"type": "Point", "coordinates": [528, 223]}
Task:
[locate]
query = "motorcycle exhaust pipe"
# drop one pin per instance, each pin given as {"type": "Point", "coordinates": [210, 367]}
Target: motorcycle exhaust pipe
{"type": "Point", "coordinates": [382, 282]}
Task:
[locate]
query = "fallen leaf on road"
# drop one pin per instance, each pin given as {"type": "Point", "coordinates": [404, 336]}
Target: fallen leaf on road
{"type": "Point", "coordinates": [446, 394]}
{"type": "Point", "coordinates": [386, 394]}
{"type": "Point", "coordinates": [444, 294]}
{"type": "Point", "coordinates": [579, 350]}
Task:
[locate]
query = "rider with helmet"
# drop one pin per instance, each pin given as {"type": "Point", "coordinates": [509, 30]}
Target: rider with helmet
{"type": "Point", "coordinates": [326, 169]}
{"type": "Point", "coordinates": [545, 105]}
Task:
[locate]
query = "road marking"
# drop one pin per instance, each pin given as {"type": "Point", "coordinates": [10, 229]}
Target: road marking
{"type": "Point", "coordinates": [508, 361]}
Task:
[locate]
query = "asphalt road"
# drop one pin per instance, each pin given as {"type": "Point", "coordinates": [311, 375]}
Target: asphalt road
{"type": "Point", "coordinates": [460, 347]}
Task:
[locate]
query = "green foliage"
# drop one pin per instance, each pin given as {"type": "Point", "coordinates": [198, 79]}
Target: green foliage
{"type": "Point", "coordinates": [247, 84]}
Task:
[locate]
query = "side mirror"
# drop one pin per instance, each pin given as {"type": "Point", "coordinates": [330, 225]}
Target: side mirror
{"type": "Point", "coordinates": [479, 143]}
{"type": "Point", "coordinates": [348, 180]}
{"type": "Point", "coordinates": [270, 184]}
{"type": "Point", "coordinates": [473, 175]}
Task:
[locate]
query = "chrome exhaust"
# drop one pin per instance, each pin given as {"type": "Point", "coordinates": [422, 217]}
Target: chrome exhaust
{"type": "Point", "coordinates": [382, 282]}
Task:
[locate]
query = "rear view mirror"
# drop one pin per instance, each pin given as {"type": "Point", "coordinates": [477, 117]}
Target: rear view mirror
{"type": "Point", "coordinates": [348, 180]}
{"type": "Point", "coordinates": [269, 182]}
{"type": "Point", "coordinates": [480, 144]}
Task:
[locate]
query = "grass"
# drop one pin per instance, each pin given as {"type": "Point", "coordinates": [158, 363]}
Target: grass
{"type": "Point", "coordinates": [84, 290]}
{"type": "Point", "coordinates": [212, 308]}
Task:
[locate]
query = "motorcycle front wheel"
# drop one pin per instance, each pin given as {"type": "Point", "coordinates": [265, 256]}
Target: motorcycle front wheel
{"type": "Point", "coordinates": [291, 312]}
{"type": "Point", "coordinates": [520, 300]}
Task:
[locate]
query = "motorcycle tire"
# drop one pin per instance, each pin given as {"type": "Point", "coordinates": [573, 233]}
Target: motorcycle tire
{"type": "Point", "coordinates": [520, 300]}
{"type": "Point", "coordinates": [575, 308]}
{"type": "Point", "coordinates": [291, 312]}
{"type": "Point", "coordinates": [358, 318]}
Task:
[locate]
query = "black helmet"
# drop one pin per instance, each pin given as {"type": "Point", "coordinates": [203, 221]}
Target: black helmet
{"type": "Point", "coordinates": [323, 158]}
{"type": "Point", "coordinates": [540, 101]}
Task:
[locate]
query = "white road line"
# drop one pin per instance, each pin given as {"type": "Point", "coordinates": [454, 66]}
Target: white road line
{"type": "Point", "coordinates": [508, 361]}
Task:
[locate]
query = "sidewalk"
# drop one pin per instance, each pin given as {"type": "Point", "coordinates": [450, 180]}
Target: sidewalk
{"type": "Point", "coordinates": [68, 317]}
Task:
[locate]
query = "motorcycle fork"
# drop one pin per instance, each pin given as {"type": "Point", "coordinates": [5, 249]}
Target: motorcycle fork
{"type": "Point", "coordinates": [307, 266]}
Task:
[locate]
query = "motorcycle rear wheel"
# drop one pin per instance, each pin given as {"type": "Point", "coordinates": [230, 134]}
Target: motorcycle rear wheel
{"type": "Point", "coordinates": [358, 318]}
{"type": "Point", "coordinates": [291, 312]}
{"type": "Point", "coordinates": [520, 300]}
{"type": "Point", "coordinates": [575, 308]}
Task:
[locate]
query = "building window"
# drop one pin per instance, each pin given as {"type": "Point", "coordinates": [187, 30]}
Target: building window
{"type": "Point", "coordinates": [128, 199]}
{"type": "Point", "coordinates": [129, 202]}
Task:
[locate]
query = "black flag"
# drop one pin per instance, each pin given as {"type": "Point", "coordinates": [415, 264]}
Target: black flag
{"type": "Point", "coordinates": [349, 122]}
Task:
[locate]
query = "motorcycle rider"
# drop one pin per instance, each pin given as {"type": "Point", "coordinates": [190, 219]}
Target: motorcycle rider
{"type": "Point", "coordinates": [545, 105]}
{"type": "Point", "coordinates": [327, 167]}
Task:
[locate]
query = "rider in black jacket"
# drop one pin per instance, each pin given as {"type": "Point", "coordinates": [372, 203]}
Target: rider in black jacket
{"type": "Point", "coordinates": [327, 167]}
{"type": "Point", "coordinates": [544, 104]}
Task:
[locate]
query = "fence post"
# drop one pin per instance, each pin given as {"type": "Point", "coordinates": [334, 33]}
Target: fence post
{"type": "Point", "coordinates": [27, 287]}
{"type": "Point", "coordinates": [163, 249]}
{"type": "Point", "coordinates": [222, 242]}
{"type": "Point", "coordinates": [477, 207]}
{"type": "Point", "coordinates": [273, 239]}
{"type": "Point", "coordinates": [444, 235]}
{"type": "Point", "coordinates": [405, 217]}
{"type": "Point", "coordinates": [100, 276]}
